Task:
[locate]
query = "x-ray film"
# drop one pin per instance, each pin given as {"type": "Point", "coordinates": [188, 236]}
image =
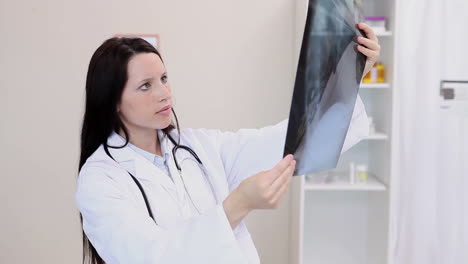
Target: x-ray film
{"type": "Point", "coordinates": [326, 87]}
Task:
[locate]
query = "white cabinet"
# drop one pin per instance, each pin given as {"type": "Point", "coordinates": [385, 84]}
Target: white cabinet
{"type": "Point", "coordinates": [332, 220]}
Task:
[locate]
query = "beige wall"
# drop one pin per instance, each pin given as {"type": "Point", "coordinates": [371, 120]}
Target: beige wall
{"type": "Point", "coordinates": [230, 64]}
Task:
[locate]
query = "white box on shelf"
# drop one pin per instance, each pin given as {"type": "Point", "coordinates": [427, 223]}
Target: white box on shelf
{"type": "Point", "coordinates": [340, 181]}
{"type": "Point", "coordinates": [377, 23]}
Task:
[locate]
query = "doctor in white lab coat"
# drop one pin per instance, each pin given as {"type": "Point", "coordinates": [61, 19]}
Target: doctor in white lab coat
{"type": "Point", "coordinates": [136, 205]}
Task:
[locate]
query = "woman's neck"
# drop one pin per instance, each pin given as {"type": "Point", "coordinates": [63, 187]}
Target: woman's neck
{"type": "Point", "coordinates": [146, 140]}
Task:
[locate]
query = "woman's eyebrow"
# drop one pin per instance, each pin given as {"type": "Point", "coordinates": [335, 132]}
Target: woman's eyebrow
{"type": "Point", "coordinates": [151, 78]}
{"type": "Point", "coordinates": [146, 80]}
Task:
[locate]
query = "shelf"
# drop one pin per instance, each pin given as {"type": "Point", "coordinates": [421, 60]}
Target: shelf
{"type": "Point", "coordinates": [341, 183]}
{"type": "Point", "coordinates": [383, 34]}
{"type": "Point", "coordinates": [375, 85]}
{"type": "Point", "coordinates": [377, 136]}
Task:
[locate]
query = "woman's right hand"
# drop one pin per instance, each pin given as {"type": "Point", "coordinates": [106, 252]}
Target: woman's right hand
{"type": "Point", "coordinates": [264, 190]}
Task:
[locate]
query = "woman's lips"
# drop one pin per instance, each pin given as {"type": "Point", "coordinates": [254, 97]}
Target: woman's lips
{"type": "Point", "coordinates": [165, 111]}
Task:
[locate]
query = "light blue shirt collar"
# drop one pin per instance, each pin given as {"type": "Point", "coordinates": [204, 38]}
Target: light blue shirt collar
{"type": "Point", "coordinates": [153, 158]}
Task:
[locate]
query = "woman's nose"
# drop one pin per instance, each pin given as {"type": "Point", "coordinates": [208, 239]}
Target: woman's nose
{"type": "Point", "coordinates": [163, 94]}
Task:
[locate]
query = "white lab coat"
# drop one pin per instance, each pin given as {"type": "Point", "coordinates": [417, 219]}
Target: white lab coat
{"type": "Point", "coordinates": [115, 217]}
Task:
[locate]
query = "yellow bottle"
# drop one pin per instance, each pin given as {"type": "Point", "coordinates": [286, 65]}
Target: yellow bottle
{"type": "Point", "coordinates": [380, 72]}
{"type": "Point", "coordinates": [371, 76]}
{"type": "Point", "coordinates": [362, 173]}
{"type": "Point", "coordinates": [376, 74]}
{"type": "Point", "coordinates": [366, 78]}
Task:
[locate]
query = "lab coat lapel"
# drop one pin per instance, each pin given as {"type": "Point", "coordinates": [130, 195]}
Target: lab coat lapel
{"type": "Point", "coordinates": [195, 181]}
{"type": "Point", "coordinates": [197, 185]}
{"type": "Point", "coordinates": [140, 167]}
{"type": "Point", "coordinates": [166, 147]}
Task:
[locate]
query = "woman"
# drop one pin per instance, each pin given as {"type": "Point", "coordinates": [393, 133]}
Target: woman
{"type": "Point", "coordinates": [151, 193]}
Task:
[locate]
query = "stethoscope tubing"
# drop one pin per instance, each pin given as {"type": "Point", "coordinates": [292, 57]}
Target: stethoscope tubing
{"type": "Point", "coordinates": [179, 169]}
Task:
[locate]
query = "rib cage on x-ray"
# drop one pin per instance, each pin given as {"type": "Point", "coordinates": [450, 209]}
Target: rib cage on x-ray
{"type": "Point", "coordinates": [326, 87]}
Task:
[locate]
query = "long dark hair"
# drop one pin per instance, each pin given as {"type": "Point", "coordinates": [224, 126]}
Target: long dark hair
{"type": "Point", "coordinates": [105, 81]}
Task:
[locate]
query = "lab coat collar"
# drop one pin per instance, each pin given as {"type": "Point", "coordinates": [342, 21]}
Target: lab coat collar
{"type": "Point", "coordinates": [116, 141]}
{"type": "Point", "coordinates": [134, 163]}
{"type": "Point", "coordinates": [194, 185]}
{"type": "Point", "coordinates": [167, 146]}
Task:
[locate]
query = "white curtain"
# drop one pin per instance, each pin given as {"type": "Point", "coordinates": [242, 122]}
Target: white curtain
{"type": "Point", "coordinates": [431, 215]}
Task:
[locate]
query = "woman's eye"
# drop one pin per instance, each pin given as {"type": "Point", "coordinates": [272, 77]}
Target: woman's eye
{"type": "Point", "coordinates": [164, 79]}
{"type": "Point", "coordinates": [145, 86]}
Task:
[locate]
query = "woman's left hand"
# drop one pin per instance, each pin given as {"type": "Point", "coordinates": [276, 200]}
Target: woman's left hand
{"type": "Point", "coordinates": [369, 46]}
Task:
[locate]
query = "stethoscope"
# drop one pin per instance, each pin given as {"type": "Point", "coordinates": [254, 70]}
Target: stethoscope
{"type": "Point", "coordinates": [176, 147]}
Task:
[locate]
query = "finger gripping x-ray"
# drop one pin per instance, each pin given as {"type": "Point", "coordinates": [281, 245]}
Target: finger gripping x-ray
{"type": "Point", "coordinates": [327, 82]}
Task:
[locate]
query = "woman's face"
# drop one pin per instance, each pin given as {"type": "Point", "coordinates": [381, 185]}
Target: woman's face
{"type": "Point", "coordinates": [146, 101]}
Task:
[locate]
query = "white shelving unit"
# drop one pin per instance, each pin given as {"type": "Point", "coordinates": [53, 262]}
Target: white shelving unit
{"type": "Point", "coordinates": [384, 34]}
{"type": "Point", "coordinates": [375, 86]}
{"type": "Point", "coordinates": [377, 136]}
{"type": "Point", "coordinates": [343, 184]}
{"type": "Point", "coordinates": [335, 221]}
